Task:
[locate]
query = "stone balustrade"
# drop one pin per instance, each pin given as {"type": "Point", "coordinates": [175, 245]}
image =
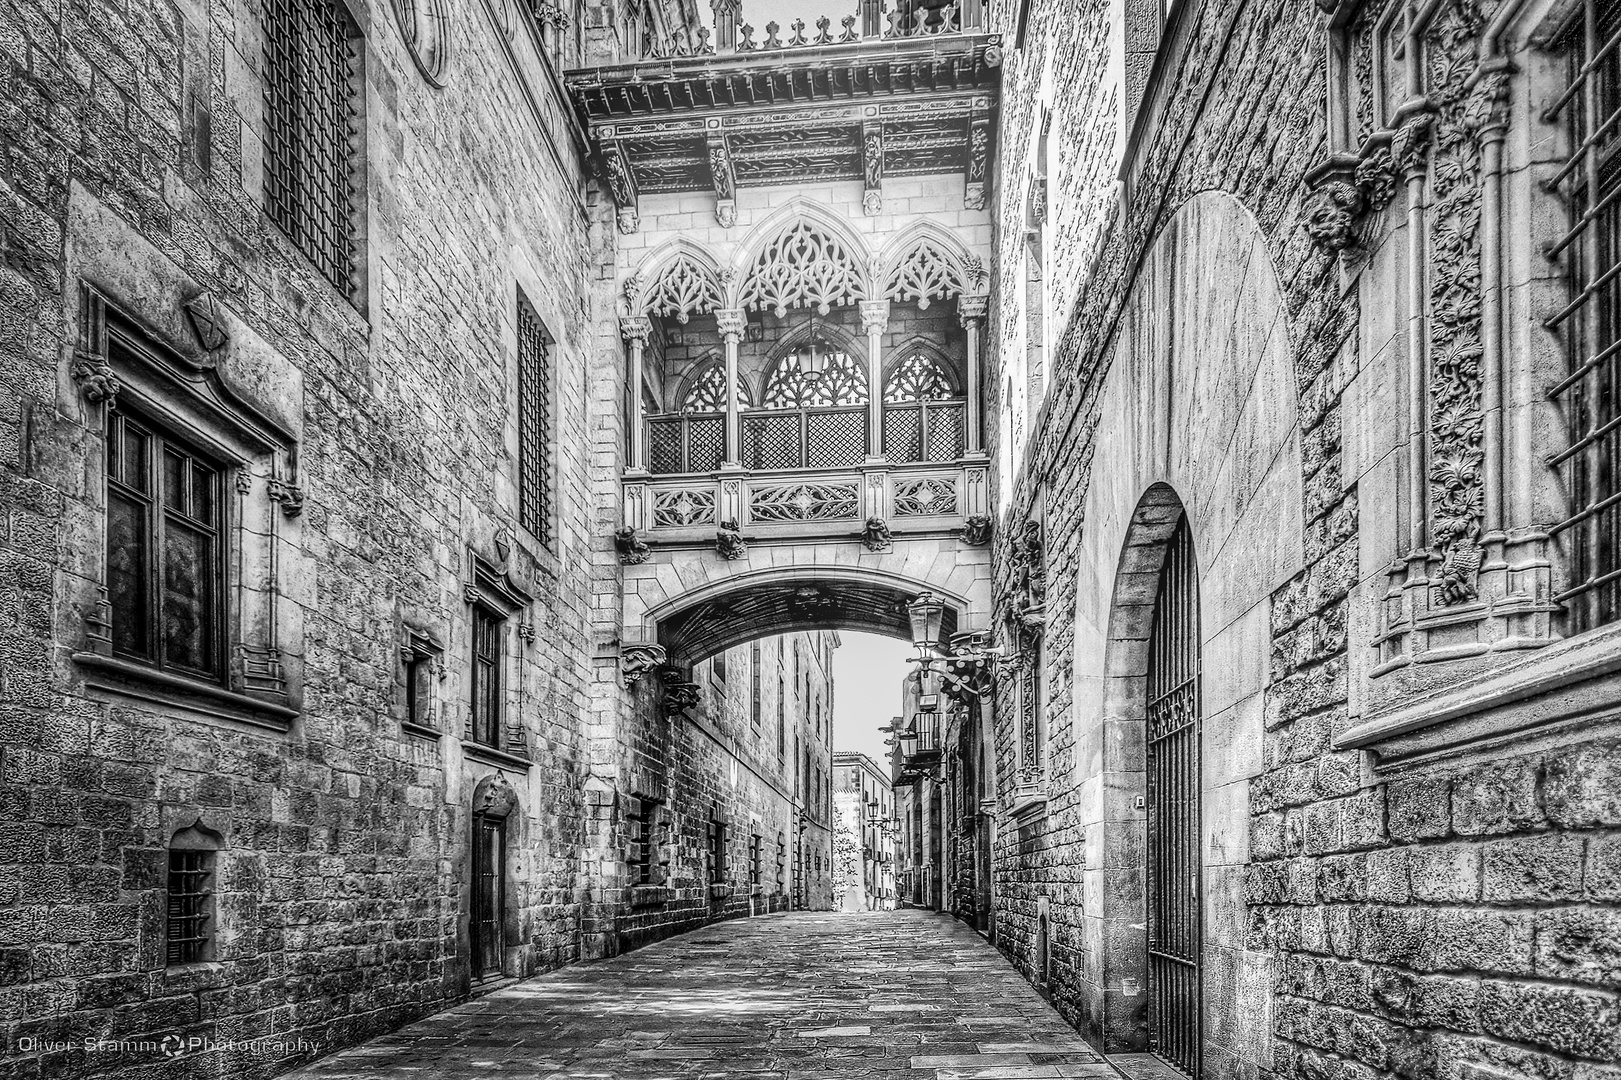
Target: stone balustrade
{"type": "Point", "coordinates": [923, 498]}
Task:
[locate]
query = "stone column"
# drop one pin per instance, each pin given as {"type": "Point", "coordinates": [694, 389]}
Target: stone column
{"type": "Point", "coordinates": [972, 311]}
{"type": "Point", "coordinates": [635, 331]}
{"type": "Point", "coordinates": [874, 321]}
{"type": "Point", "coordinates": [731, 322]}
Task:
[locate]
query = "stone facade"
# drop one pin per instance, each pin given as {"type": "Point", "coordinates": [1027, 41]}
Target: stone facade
{"type": "Point", "coordinates": [863, 842]}
{"type": "Point", "coordinates": [367, 434]}
{"type": "Point", "coordinates": [1405, 789]}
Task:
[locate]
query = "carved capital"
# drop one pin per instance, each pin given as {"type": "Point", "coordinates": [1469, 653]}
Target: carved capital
{"type": "Point", "coordinates": [731, 323]}
{"type": "Point", "coordinates": [874, 316]}
{"type": "Point", "coordinates": [636, 329]}
{"type": "Point", "coordinates": [973, 309]}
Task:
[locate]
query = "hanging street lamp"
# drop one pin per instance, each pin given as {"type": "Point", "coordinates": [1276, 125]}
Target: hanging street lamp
{"type": "Point", "coordinates": [812, 362]}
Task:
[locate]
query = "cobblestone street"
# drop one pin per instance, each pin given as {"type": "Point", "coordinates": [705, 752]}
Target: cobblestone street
{"type": "Point", "coordinates": [805, 996]}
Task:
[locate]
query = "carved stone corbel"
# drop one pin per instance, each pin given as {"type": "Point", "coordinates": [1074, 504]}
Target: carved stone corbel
{"type": "Point", "coordinates": [637, 660]}
{"type": "Point", "coordinates": [290, 496]}
{"type": "Point", "coordinates": [729, 542]}
{"type": "Point", "coordinates": [632, 549]}
{"type": "Point", "coordinates": [875, 536]}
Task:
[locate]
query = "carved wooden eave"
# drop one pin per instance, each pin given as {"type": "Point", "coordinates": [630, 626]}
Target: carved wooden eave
{"type": "Point", "coordinates": [864, 111]}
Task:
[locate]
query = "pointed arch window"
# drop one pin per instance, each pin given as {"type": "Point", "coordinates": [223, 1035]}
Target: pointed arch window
{"type": "Point", "coordinates": [843, 381]}
{"type": "Point", "coordinates": [925, 416]}
{"type": "Point", "coordinates": [919, 377]}
{"type": "Point", "coordinates": [706, 391]}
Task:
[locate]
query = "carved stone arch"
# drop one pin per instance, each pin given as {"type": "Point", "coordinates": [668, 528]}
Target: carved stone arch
{"type": "Point", "coordinates": [704, 372]}
{"type": "Point", "coordinates": [921, 346]}
{"type": "Point", "coordinates": [678, 280]}
{"type": "Point", "coordinates": [732, 609]}
{"type": "Point", "coordinates": [494, 796]}
{"type": "Point", "coordinates": [845, 384]}
{"type": "Point", "coordinates": [197, 836]}
{"type": "Point", "coordinates": [802, 256]}
{"type": "Point", "coordinates": [926, 263]}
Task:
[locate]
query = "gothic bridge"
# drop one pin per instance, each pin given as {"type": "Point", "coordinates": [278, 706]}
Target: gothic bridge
{"type": "Point", "coordinates": [801, 262]}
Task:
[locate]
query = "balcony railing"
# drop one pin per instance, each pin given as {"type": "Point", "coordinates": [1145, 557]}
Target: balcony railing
{"type": "Point", "coordinates": [905, 19]}
{"type": "Point", "coordinates": [815, 438]}
{"type": "Point", "coordinates": [915, 497]}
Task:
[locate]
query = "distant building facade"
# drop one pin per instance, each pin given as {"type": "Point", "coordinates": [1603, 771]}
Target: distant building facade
{"type": "Point", "coordinates": [865, 804]}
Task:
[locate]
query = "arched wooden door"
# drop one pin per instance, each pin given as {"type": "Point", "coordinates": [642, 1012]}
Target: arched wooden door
{"type": "Point", "coordinates": [1175, 860]}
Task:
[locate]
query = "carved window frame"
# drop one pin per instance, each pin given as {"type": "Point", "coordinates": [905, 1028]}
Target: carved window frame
{"type": "Point", "coordinates": [422, 666]}
{"type": "Point", "coordinates": [495, 593]}
{"type": "Point", "coordinates": [118, 360]}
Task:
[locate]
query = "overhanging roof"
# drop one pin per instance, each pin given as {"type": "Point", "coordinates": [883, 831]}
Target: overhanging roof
{"type": "Point", "coordinates": [863, 110]}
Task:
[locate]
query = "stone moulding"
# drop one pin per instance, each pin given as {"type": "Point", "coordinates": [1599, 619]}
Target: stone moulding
{"type": "Point", "coordinates": [1425, 616]}
{"type": "Point", "coordinates": [1570, 683]}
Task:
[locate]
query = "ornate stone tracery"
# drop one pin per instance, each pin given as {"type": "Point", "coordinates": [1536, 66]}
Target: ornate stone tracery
{"type": "Point", "coordinates": [928, 271]}
{"type": "Point", "coordinates": [802, 266]}
{"type": "Point", "coordinates": [684, 287]}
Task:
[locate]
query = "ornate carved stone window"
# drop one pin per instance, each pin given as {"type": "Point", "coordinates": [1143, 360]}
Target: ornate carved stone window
{"type": "Point", "coordinates": [197, 485]}
{"type": "Point", "coordinates": [423, 663]}
{"type": "Point", "coordinates": [920, 376]}
{"type": "Point", "coordinates": [314, 119]}
{"type": "Point", "coordinates": [803, 266]}
{"type": "Point", "coordinates": [706, 390]}
{"type": "Point", "coordinates": [685, 286]}
{"type": "Point", "coordinates": [842, 382]}
{"type": "Point", "coordinates": [927, 271]}
{"type": "Point", "coordinates": [535, 456]}
{"type": "Point", "coordinates": [1590, 181]}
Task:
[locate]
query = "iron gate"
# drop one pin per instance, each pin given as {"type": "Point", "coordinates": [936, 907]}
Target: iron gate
{"type": "Point", "coordinates": [1174, 924]}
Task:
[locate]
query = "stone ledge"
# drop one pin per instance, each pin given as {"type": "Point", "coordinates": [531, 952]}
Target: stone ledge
{"type": "Point", "coordinates": [1580, 678]}
{"type": "Point", "coordinates": [649, 895]}
{"type": "Point", "coordinates": [489, 755]}
{"type": "Point", "coordinates": [159, 687]}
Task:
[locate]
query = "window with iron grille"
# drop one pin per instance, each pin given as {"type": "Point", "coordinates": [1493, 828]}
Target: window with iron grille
{"type": "Point", "coordinates": [754, 685]}
{"type": "Point", "coordinates": [165, 549]}
{"type": "Point", "coordinates": [189, 933]}
{"type": "Point", "coordinates": [313, 101]}
{"type": "Point", "coordinates": [534, 424]}
{"type": "Point", "coordinates": [717, 852]}
{"type": "Point", "coordinates": [644, 843]}
{"type": "Point", "coordinates": [782, 862]}
{"type": "Point", "coordinates": [756, 869]}
{"type": "Point", "coordinates": [488, 630]}
{"type": "Point", "coordinates": [1590, 395]}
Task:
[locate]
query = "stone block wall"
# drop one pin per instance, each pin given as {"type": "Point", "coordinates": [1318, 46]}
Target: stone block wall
{"type": "Point", "coordinates": [133, 160]}
{"type": "Point", "coordinates": [1435, 905]}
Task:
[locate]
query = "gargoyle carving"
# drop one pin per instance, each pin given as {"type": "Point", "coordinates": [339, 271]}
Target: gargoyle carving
{"type": "Point", "coordinates": [976, 531]}
{"type": "Point", "coordinates": [637, 660]}
{"type": "Point", "coordinates": [876, 537]}
{"type": "Point", "coordinates": [632, 548]}
{"type": "Point", "coordinates": [729, 541]}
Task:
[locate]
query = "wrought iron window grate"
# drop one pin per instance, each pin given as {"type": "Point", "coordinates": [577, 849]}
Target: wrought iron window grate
{"type": "Point", "coordinates": [534, 425]}
{"type": "Point", "coordinates": [187, 937]}
{"type": "Point", "coordinates": [312, 126]}
{"type": "Point", "coordinates": [1590, 180]}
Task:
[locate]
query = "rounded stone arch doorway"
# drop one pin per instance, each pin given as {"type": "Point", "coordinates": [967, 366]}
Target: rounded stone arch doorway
{"type": "Point", "coordinates": [1199, 424]}
{"type": "Point", "coordinates": [1152, 820]}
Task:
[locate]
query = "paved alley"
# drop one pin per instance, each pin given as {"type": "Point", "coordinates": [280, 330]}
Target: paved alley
{"type": "Point", "coordinates": [804, 996]}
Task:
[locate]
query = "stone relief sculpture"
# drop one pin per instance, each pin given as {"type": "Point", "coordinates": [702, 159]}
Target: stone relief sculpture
{"type": "Point", "coordinates": [729, 542]}
{"type": "Point", "coordinates": [875, 536]}
{"type": "Point", "coordinates": [632, 549]}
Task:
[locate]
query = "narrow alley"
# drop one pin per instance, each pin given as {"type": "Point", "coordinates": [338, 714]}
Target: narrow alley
{"type": "Point", "coordinates": [800, 996]}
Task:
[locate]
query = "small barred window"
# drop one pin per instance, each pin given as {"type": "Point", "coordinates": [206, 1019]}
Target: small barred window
{"type": "Point", "coordinates": [313, 122]}
{"type": "Point", "coordinates": [190, 932]}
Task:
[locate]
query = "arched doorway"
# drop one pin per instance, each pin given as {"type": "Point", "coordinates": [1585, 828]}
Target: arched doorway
{"type": "Point", "coordinates": [1174, 880]}
{"type": "Point", "coordinates": [494, 799]}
